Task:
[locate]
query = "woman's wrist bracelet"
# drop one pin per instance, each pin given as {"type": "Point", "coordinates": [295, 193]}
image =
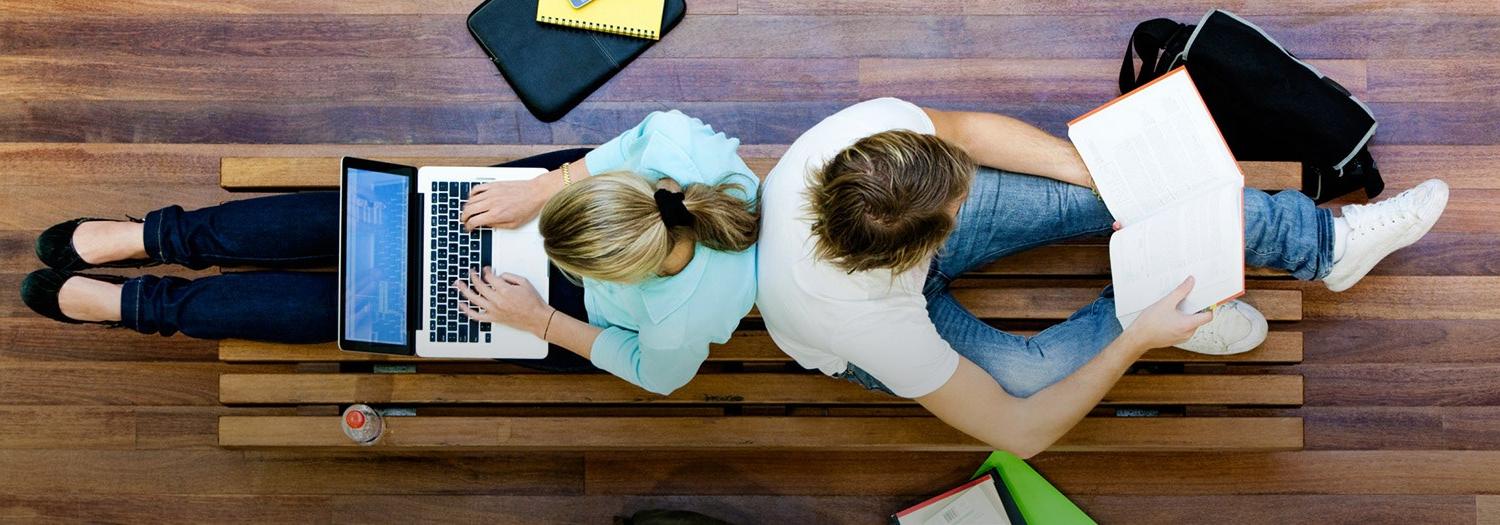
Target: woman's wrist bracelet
{"type": "Point", "coordinates": [548, 329]}
{"type": "Point", "coordinates": [567, 176]}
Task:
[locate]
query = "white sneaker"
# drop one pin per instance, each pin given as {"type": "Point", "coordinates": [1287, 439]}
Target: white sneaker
{"type": "Point", "coordinates": [1376, 230]}
{"type": "Point", "coordinates": [1237, 328]}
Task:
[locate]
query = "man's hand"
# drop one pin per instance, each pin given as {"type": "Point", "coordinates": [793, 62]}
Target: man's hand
{"type": "Point", "coordinates": [504, 298]}
{"type": "Point", "coordinates": [1161, 325]}
{"type": "Point", "coordinates": [505, 204]}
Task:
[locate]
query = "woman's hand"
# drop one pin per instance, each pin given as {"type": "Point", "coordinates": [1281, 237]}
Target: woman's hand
{"type": "Point", "coordinates": [506, 203]}
{"type": "Point", "coordinates": [506, 299]}
{"type": "Point", "coordinates": [1161, 325]}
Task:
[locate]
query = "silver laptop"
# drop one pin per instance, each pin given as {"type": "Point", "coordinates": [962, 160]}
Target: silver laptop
{"type": "Point", "coordinates": [401, 246]}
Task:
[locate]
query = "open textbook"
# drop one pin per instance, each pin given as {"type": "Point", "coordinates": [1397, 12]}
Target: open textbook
{"type": "Point", "coordinates": [1167, 176]}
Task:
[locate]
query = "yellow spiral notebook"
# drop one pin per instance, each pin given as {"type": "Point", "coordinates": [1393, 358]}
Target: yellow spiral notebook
{"type": "Point", "coordinates": [637, 18]}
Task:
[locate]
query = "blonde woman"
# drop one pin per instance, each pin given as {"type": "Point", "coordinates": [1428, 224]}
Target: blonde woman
{"type": "Point", "coordinates": [659, 225]}
{"type": "Point", "coordinates": [662, 241]}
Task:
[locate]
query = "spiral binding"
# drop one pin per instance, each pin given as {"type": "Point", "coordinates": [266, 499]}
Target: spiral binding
{"type": "Point", "coordinates": [607, 28]}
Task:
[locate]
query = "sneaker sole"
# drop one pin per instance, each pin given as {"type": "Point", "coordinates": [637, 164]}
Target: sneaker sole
{"type": "Point", "coordinates": [1339, 284]}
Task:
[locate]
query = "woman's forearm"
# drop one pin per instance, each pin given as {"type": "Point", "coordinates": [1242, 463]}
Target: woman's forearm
{"type": "Point", "coordinates": [570, 333]}
{"type": "Point", "coordinates": [548, 184]}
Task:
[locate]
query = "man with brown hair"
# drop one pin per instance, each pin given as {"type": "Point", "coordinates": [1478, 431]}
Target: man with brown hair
{"type": "Point", "coordinates": [872, 213]}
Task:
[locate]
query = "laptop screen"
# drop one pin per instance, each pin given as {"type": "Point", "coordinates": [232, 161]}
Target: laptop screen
{"type": "Point", "coordinates": [375, 257]}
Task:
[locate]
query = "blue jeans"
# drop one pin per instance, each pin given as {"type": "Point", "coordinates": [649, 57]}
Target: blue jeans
{"type": "Point", "coordinates": [1007, 213]}
{"type": "Point", "coordinates": [295, 230]}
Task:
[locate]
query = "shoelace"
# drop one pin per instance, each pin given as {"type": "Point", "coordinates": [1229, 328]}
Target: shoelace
{"type": "Point", "coordinates": [1356, 215]}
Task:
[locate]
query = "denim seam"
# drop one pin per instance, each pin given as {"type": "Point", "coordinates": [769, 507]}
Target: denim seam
{"type": "Point", "coordinates": [160, 247]}
{"type": "Point", "coordinates": [138, 295]}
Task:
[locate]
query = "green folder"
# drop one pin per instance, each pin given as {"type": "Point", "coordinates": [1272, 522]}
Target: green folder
{"type": "Point", "coordinates": [1040, 503]}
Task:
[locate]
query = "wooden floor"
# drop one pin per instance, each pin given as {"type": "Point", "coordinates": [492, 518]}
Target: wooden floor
{"type": "Point", "coordinates": [113, 107]}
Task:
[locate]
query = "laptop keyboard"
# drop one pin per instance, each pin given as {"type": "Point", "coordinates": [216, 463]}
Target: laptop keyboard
{"type": "Point", "coordinates": [452, 255]}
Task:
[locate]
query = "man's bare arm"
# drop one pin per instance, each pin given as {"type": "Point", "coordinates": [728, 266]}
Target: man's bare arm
{"type": "Point", "coordinates": [974, 403]}
{"type": "Point", "coordinates": [1005, 143]}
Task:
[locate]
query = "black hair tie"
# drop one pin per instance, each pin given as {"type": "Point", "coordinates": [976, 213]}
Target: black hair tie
{"type": "Point", "coordinates": [673, 212]}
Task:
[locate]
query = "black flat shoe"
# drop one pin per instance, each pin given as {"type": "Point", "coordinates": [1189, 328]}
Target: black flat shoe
{"type": "Point", "coordinates": [55, 248]}
{"type": "Point", "coordinates": [40, 288]}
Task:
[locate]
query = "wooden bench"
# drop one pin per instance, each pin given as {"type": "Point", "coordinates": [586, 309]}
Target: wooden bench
{"type": "Point", "coordinates": [749, 394]}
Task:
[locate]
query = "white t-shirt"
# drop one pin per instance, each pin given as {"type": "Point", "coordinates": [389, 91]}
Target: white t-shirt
{"type": "Point", "coordinates": [822, 316]}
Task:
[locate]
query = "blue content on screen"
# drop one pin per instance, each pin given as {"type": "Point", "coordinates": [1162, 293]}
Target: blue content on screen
{"type": "Point", "coordinates": [375, 255]}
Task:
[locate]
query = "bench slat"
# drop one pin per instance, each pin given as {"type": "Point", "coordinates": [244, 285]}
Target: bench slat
{"type": "Point", "coordinates": [746, 346]}
{"type": "Point", "coordinates": [306, 173]}
{"type": "Point", "coordinates": [814, 433]}
{"type": "Point", "coordinates": [749, 389]}
{"type": "Point", "coordinates": [1059, 303]}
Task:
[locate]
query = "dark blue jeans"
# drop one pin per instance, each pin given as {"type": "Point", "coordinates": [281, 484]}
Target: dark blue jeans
{"type": "Point", "coordinates": [296, 230]}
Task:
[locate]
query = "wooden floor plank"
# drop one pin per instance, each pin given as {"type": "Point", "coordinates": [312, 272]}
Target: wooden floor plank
{"type": "Point", "coordinates": [1401, 341]}
{"type": "Point", "coordinates": [232, 472]}
{"type": "Point", "coordinates": [1411, 384]}
{"type": "Point", "coordinates": [745, 346]}
{"type": "Point", "coordinates": [407, 80]}
{"type": "Point", "coordinates": [550, 510]}
{"type": "Point", "coordinates": [749, 389]}
{"type": "Point", "coordinates": [119, 384]}
{"type": "Point", "coordinates": [61, 508]}
{"type": "Point", "coordinates": [274, 7]}
{"type": "Point", "coordinates": [44, 427]}
{"type": "Point", "coordinates": [1402, 472]}
{"type": "Point", "coordinates": [1277, 508]}
{"type": "Point", "coordinates": [1038, 80]}
{"type": "Point", "coordinates": [1189, 10]}
{"type": "Point", "coordinates": [749, 432]}
{"type": "Point", "coordinates": [1384, 297]}
{"type": "Point", "coordinates": [742, 36]}
{"type": "Point", "coordinates": [1440, 81]}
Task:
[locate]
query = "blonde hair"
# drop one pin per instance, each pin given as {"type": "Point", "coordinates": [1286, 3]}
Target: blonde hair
{"type": "Point", "coordinates": [607, 227]}
{"type": "Point", "coordinates": [886, 201]}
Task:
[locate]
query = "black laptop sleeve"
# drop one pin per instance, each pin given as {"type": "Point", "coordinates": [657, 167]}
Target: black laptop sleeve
{"type": "Point", "coordinates": [554, 68]}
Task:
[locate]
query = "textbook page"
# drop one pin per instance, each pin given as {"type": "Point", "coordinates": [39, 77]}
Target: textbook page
{"type": "Point", "coordinates": [1165, 172]}
{"type": "Point", "coordinates": [1194, 237]}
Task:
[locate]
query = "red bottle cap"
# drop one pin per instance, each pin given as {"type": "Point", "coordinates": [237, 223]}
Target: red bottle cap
{"type": "Point", "coordinates": [355, 419]}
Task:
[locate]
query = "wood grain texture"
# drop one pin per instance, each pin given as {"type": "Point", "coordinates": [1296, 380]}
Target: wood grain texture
{"type": "Point", "coordinates": [734, 389]}
{"type": "Point", "coordinates": [749, 432]}
{"type": "Point", "coordinates": [1276, 508]}
{"type": "Point", "coordinates": [113, 383]}
{"type": "Point", "coordinates": [1404, 472]}
{"type": "Point", "coordinates": [276, 7]}
{"type": "Point", "coordinates": [166, 509]}
{"type": "Point", "coordinates": [228, 472]}
{"type": "Point", "coordinates": [740, 36]}
{"type": "Point", "coordinates": [745, 346]}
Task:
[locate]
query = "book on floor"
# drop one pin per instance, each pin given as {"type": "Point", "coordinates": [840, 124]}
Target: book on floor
{"type": "Point", "coordinates": [637, 18]}
{"type": "Point", "coordinates": [1166, 174]}
{"type": "Point", "coordinates": [985, 500]}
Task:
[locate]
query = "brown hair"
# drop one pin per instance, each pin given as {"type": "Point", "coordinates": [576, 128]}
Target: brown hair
{"type": "Point", "coordinates": [607, 227]}
{"type": "Point", "coordinates": [886, 201]}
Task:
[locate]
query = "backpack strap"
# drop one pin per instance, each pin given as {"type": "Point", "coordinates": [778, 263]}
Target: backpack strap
{"type": "Point", "coordinates": [1149, 41]}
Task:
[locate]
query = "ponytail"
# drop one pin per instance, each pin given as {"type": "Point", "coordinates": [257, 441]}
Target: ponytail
{"type": "Point", "coordinates": [722, 220]}
{"type": "Point", "coordinates": [609, 227]}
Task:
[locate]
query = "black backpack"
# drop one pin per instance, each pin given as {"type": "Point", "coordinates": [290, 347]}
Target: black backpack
{"type": "Point", "coordinates": [1269, 105]}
